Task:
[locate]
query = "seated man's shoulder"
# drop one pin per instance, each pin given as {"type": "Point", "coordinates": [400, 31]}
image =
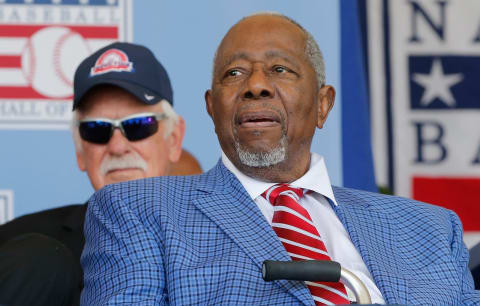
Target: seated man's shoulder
{"type": "Point", "coordinates": [396, 205]}
{"type": "Point", "coordinates": [157, 184]}
{"type": "Point", "coordinates": [151, 195]}
{"type": "Point", "coordinates": [423, 227]}
{"type": "Point", "coordinates": [45, 222]}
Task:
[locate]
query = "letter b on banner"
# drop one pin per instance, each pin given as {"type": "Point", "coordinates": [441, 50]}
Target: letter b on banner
{"type": "Point", "coordinates": [430, 148]}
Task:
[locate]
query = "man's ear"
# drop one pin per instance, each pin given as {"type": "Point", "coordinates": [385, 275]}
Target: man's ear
{"type": "Point", "coordinates": [209, 102]}
{"type": "Point", "coordinates": [175, 140]}
{"type": "Point", "coordinates": [326, 99]}
{"type": "Point", "coordinates": [80, 161]}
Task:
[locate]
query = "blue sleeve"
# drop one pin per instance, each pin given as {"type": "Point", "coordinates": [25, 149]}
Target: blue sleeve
{"type": "Point", "coordinates": [460, 252]}
{"type": "Point", "coordinates": [122, 259]}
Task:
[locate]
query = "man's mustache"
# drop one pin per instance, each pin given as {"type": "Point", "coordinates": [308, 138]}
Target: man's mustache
{"type": "Point", "coordinates": [131, 160]}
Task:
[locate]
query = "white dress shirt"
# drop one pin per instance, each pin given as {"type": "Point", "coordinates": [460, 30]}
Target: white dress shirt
{"type": "Point", "coordinates": [336, 239]}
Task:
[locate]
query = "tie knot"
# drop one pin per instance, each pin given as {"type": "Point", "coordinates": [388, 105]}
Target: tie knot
{"type": "Point", "coordinates": [272, 193]}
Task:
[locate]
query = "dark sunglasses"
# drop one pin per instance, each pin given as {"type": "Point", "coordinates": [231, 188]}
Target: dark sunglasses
{"type": "Point", "coordinates": [133, 127]}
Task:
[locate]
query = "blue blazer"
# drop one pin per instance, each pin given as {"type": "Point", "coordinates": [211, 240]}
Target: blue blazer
{"type": "Point", "coordinates": [201, 240]}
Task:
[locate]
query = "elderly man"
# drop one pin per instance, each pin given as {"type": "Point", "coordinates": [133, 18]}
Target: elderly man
{"type": "Point", "coordinates": [202, 240]}
{"type": "Point", "coordinates": [124, 128]}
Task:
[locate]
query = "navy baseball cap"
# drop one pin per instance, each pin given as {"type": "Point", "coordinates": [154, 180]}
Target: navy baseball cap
{"type": "Point", "coordinates": [126, 65]}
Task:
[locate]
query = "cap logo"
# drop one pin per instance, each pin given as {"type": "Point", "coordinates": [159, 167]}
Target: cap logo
{"type": "Point", "coordinates": [149, 97]}
{"type": "Point", "coordinates": [112, 60]}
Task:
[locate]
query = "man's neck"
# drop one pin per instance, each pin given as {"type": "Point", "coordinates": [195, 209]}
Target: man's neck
{"type": "Point", "coordinates": [282, 172]}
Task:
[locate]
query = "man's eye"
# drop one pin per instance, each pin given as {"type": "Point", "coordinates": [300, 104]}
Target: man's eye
{"type": "Point", "coordinates": [234, 72]}
{"type": "Point", "coordinates": [280, 69]}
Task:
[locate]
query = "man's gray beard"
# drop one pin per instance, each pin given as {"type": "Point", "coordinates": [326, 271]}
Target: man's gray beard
{"type": "Point", "coordinates": [262, 159]}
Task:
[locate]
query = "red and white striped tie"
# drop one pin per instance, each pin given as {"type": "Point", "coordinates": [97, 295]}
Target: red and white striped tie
{"type": "Point", "coordinates": [293, 225]}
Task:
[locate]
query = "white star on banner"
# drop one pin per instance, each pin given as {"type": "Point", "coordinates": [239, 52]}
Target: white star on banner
{"type": "Point", "coordinates": [437, 84]}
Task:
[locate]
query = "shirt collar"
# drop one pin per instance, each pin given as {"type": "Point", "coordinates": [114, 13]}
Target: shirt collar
{"type": "Point", "coordinates": [316, 179]}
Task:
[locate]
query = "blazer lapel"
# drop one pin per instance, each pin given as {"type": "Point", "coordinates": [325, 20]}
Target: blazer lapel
{"type": "Point", "coordinates": [371, 232]}
{"type": "Point", "coordinates": [229, 206]}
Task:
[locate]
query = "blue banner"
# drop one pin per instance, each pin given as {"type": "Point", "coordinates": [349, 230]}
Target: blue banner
{"type": "Point", "coordinates": [357, 161]}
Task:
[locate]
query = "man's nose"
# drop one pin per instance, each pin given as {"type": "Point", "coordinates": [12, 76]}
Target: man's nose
{"type": "Point", "coordinates": [258, 86]}
{"type": "Point", "coordinates": [118, 144]}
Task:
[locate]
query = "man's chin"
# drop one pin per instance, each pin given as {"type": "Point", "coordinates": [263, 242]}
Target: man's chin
{"type": "Point", "coordinates": [261, 157]}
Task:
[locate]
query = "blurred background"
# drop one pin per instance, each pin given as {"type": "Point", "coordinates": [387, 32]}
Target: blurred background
{"type": "Point", "coordinates": [405, 122]}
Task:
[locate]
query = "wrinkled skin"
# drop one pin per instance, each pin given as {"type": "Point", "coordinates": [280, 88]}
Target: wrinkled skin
{"type": "Point", "coordinates": [264, 88]}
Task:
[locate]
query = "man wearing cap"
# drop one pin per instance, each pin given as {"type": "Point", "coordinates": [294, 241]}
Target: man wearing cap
{"type": "Point", "coordinates": [124, 128]}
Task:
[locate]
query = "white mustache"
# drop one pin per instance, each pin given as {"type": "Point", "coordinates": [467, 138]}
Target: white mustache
{"type": "Point", "coordinates": [132, 160]}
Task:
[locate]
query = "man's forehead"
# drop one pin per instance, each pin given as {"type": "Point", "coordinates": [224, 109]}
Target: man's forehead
{"type": "Point", "coordinates": [268, 55]}
{"type": "Point", "coordinates": [266, 20]}
{"type": "Point", "coordinates": [260, 31]}
{"type": "Point", "coordinates": [259, 26]}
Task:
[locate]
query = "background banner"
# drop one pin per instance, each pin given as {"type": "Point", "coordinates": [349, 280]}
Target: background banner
{"type": "Point", "coordinates": [424, 61]}
{"type": "Point", "coordinates": [41, 44]}
{"type": "Point", "coordinates": [357, 161]}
